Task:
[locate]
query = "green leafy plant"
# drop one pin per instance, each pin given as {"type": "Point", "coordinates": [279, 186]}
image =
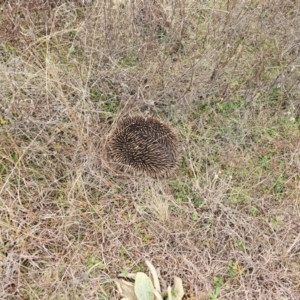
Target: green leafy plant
{"type": "Point", "coordinates": [219, 283]}
{"type": "Point", "coordinates": [139, 286]}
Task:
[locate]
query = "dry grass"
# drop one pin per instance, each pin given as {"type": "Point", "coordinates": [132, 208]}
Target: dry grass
{"type": "Point", "coordinates": [225, 74]}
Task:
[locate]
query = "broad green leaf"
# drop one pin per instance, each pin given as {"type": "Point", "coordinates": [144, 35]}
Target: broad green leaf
{"type": "Point", "coordinates": [178, 288]}
{"type": "Point", "coordinates": [143, 287]}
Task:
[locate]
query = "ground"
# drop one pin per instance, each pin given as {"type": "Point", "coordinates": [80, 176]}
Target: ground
{"type": "Point", "coordinates": [224, 74]}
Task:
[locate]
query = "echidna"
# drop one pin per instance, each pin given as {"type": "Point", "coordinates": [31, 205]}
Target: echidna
{"type": "Point", "coordinates": [146, 145]}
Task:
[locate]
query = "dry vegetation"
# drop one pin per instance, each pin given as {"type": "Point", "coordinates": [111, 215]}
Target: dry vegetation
{"type": "Point", "coordinates": [225, 74]}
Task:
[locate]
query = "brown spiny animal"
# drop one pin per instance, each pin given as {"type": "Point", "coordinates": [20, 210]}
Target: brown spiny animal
{"type": "Point", "coordinates": [144, 145]}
